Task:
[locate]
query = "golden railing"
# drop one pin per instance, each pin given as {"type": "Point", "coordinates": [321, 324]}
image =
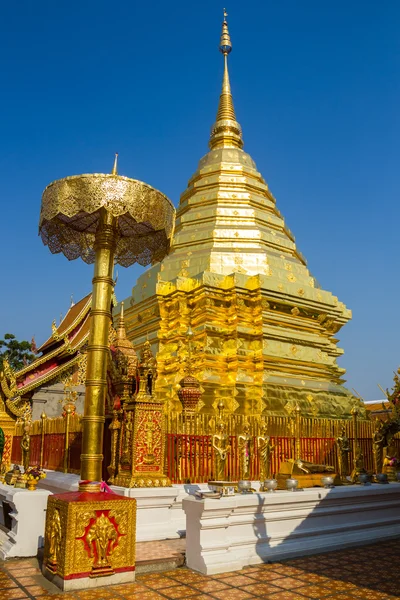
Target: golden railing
{"type": "Point", "coordinates": [189, 453]}
{"type": "Point", "coordinates": [48, 444]}
{"type": "Point", "coordinates": [204, 424]}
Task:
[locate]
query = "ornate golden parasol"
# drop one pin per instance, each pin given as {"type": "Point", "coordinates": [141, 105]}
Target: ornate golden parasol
{"type": "Point", "coordinates": [103, 219]}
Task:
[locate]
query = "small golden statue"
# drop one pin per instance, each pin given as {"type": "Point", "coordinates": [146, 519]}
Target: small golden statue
{"type": "Point", "coordinates": [55, 541]}
{"type": "Point", "coordinates": [26, 448]}
{"type": "Point", "coordinates": [149, 441]}
{"type": "Point", "coordinates": [127, 450]}
{"type": "Point", "coordinates": [265, 451]}
{"type": "Point", "coordinates": [343, 446]}
{"type": "Point", "coordinates": [358, 465]}
{"type": "Point", "coordinates": [244, 447]}
{"type": "Point", "coordinates": [115, 428]}
{"type": "Point", "coordinates": [104, 535]}
{"type": "Point", "coordinates": [222, 448]}
{"type": "Point", "coordinates": [379, 440]}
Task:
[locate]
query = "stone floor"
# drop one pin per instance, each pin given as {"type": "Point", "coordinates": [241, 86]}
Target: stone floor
{"type": "Point", "coordinates": [367, 572]}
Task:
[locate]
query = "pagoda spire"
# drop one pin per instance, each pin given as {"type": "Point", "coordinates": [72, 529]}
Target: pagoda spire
{"type": "Point", "coordinates": [226, 131]}
{"type": "Point", "coordinates": [121, 333]}
{"type": "Point", "coordinates": [115, 166]}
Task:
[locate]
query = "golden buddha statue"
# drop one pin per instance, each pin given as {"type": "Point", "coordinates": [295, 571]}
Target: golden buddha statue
{"type": "Point", "coordinates": [343, 447]}
{"type": "Point", "coordinates": [244, 447]}
{"type": "Point", "coordinates": [265, 450]}
{"type": "Point", "coordinates": [222, 448]}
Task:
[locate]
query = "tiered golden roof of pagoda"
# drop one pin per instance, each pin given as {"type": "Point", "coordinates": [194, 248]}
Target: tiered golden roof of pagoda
{"type": "Point", "coordinates": [264, 329]}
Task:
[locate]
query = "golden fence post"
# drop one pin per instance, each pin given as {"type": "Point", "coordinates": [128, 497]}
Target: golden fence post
{"type": "Point", "coordinates": [43, 417]}
{"type": "Point", "coordinates": [66, 441]}
{"type": "Point", "coordinates": [354, 413]}
{"type": "Point", "coordinates": [297, 433]}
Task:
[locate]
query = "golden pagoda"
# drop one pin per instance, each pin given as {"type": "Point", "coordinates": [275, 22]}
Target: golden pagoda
{"type": "Point", "coordinates": [263, 330]}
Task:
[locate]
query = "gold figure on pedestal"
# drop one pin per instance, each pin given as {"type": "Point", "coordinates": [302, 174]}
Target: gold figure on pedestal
{"type": "Point", "coordinates": [222, 448]}
{"type": "Point", "coordinates": [265, 451]}
{"type": "Point", "coordinates": [343, 447]}
{"type": "Point", "coordinates": [244, 447]}
{"type": "Point", "coordinates": [104, 535]}
{"type": "Point", "coordinates": [358, 468]}
{"type": "Point", "coordinates": [126, 458]}
{"type": "Point", "coordinates": [55, 541]}
{"type": "Point", "coordinates": [26, 447]}
{"type": "Point", "coordinates": [149, 441]}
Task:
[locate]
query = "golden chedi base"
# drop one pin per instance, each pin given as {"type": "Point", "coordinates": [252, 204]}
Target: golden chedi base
{"type": "Point", "coordinates": [89, 535]}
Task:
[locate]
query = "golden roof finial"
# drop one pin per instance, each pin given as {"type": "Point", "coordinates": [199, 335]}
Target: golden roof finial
{"type": "Point", "coordinates": [115, 166]}
{"type": "Point", "coordinates": [226, 131]}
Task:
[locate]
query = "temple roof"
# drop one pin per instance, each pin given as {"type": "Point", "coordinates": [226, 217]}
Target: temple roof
{"type": "Point", "coordinates": [61, 351]}
{"type": "Point", "coordinates": [71, 321]}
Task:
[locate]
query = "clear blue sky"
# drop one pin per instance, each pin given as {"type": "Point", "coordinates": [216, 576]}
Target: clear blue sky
{"type": "Point", "coordinates": [317, 91]}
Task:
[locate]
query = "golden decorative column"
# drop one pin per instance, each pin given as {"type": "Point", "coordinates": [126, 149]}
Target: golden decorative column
{"type": "Point", "coordinates": [43, 417]}
{"type": "Point", "coordinates": [69, 408]}
{"type": "Point", "coordinates": [103, 219]}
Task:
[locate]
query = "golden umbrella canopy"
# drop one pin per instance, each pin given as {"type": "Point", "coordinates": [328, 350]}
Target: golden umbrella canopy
{"type": "Point", "coordinates": [103, 219]}
{"type": "Point", "coordinates": [71, 209]}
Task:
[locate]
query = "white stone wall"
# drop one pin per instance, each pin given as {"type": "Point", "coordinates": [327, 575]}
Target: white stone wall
{"type": "Point", "coordinates": [50, 399]}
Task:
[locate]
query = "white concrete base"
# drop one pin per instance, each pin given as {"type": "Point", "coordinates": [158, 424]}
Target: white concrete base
{"type": "Point", "coordinates": [28, 517]}
{"type": "Point", "coordinates": [83, 583]}
{"type": "Point", "coordinates": [160, 514]}
{"type": "Point", "coordinates": [230, 533]}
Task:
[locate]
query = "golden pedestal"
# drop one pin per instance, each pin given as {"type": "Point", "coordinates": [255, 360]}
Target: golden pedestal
{"type": "Point", "coordinates": [89, 535]}
{"type": "Point", "coordinates": [141, 462]}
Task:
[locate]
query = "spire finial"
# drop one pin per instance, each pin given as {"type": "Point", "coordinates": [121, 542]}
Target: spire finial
{"type": "Point", "coordinates": [225, 44]}
{"type": "Point", "coordinates": [115, 166]}
{"type": "Point", "coordinates": [121, 334]}
{"type": "Point", "coordinates": [226, 131]}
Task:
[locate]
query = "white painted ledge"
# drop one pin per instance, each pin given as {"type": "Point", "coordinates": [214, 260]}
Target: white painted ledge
{"type": "Point", "coordinates": [28, 515]}
{"type": "Point", "coordinates": [160, 514]}
{"type": "Point", "coordinates": [230, 533]}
